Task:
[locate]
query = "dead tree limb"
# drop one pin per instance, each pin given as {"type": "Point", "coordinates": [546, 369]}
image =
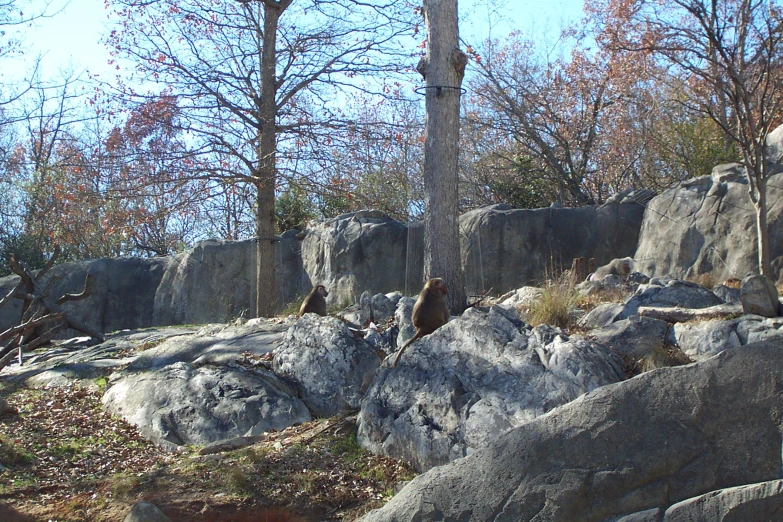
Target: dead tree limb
{"type": "Point", "coordinates": [84, 294]}
{"type": "Point", "coordinates": [33, 323]}
{"type": "Point", "coordinates": [11, 294]}
{"type": "Point", "coordinates": [681, 315]}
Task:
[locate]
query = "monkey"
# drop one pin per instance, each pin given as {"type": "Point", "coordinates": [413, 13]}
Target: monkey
{"type": "Point", "coordinates": [429, 313]}
{"type": "Point", "coordinates": [620, 267]}
{"type": "Point", "coordinates": [315, 301]}
{"type": "Point", "coordinates": [732, 282]}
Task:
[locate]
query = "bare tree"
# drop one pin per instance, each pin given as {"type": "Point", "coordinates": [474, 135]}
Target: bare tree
{"type": "Point", "coordinates": [725, 56]}
{"type": "Point", "coordinates": [251, 86]}
{"type": "Point", "coordinates": [443, 68]}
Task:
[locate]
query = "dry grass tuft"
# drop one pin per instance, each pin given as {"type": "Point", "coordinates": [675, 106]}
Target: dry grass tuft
{"type": "Point", "coordinates": [554, 307]}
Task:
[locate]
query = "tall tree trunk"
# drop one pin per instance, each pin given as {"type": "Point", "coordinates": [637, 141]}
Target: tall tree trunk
{"type": "Point", "coordinates": [443, 68]}
{"type": "Point", "coordinates": [266, 292]}
{"type": "Point", "coordinates": [762, 232]}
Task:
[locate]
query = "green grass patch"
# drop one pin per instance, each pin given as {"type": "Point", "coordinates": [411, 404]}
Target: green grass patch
{"type": "Point", "coordinates": [12, 455]}
{"type": "Point", "coordinates": [122, 485]}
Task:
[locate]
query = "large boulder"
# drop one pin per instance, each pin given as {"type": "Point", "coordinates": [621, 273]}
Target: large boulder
{"type": "Point", "coordinates": [215, 281]}
{"type": "Point", "coordinates": [759, 296]}
{"type": "Point", "coordinates": [482, 374]}
{"type": "Point", "coordinates": [182, 404]}
{"type": "Point", "coordinates": [635, 337]}
{"type": "Point", "coordinates": [643, 444]}
{"type": "Point", "coordinates": [123, 291]}
{"type": "Point", "coordinates": [330, 367]}
{"type": "Point", "coordinates": [738, 504]}
{"type": "Point", "coordinates": [667, 292]}
{"type": "Point", "coordinates": [505, 248]}
{"type": "Point", "coordinates": [707, 225]}
{"type": "Point", "coordinates": [357, 252]}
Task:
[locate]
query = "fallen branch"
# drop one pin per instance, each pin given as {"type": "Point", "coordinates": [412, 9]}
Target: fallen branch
{"type": "Point", "coordinates": [33, 323]}
{"type": "Point", "coordinates": [78, 297]}
{"type": "Point", "coordinates": [681, 315]}
{"type": "Point", "coordinates": [11, 294]}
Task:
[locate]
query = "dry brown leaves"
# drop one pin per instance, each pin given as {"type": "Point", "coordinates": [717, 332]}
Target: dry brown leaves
{"type": "Point", "coordinates": [74, 461]}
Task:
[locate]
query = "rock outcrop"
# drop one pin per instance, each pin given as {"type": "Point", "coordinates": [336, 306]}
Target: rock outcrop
{"type": "Point", "coordinates": [123, 291]}
{"type": "Point", "coordinates": [505, 248]}
{"type": "Point", "coordinates": [358, 252]}
{"type": "Point", "coordinates": [644, 444]}
{"type": "Point", "coordinates": [482, 374]}
{"type": "Point", "coordinates": [329, 366]}
{"type": "Point", "coordinates": [707, 225]}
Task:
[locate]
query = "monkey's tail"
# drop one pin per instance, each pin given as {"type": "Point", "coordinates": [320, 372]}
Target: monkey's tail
{"type": "Point", "coordinates": [399, 353]}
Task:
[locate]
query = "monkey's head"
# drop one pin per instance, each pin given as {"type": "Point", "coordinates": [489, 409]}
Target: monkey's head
{"type": "Point", "coordinates": [321, 289]}
{"type": "Point", "coordinates": [628, 265]}
{"type": "Point", "coordinates": [436, 286]}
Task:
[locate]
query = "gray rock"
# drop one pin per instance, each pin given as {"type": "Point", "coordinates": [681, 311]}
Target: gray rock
{"type": "Point", "coordinates": [357, 252]}
{"type": "Point", "coordinates": [180, 404]}
{"type": "Point", "coordinates": [635, 337]}
{"type": "Point", "coordinates": [63, 364]}
{"type": "Point", "coordinates": [504, 248]}
{"type": "Point", "coordinates": [754, 328]}
{"type": "Point", "coordinates": [602, 315]}
{"type": "Point", "coordinates": [145, 512]}
{"type": "Point", "coordinates": [215, 281]}
{"type": "Point", "coordinates": [524, 296]}
{"type": "Point", "coordinates": [213, 344]}
{"type": "Point", "coordinates": [329, 364]}
{"type": "Point", "coordinates": [727, 294]}
{"type": "Point", "coordinates": [707, 225]}
{"type": "Point", "coordinates": [759, 296]}
{"type": "Point", "coordinates": [123, 290]}
{"type": "Point", "coordinates": [646, 443]}
{"type": "Point", "coordinates": [666, 292]}
{"type": "Point", "coordinates": [384, 341]}
{"type": "Point", "coordinates": [403, 318]}
{"type": "Point", "coordinates": [760, 502]}
{"type": "Point", "coordinates": [700, 340]}
{"type": "Point", "coordinates": [638, 278]}
{"type": "Point", "coordinates": [377, 308]}
{"type": "Point", "coordinates": [457, 389]}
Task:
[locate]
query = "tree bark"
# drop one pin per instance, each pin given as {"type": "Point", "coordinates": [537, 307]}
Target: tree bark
{"type": "Point", "coordinates": [266, 292]}
{"type": "Point", "coordinates": [443, 69]}
{"type": "Point", "coordinates": [762, 232]}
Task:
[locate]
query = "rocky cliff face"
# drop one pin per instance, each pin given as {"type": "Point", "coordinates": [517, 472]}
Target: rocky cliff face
{"type": "Point", "coordinates": [353, 253]}
{"type": "Point", "coordinates": [505, 248]}
{"type": "Point", "coordinates": [707, 225]}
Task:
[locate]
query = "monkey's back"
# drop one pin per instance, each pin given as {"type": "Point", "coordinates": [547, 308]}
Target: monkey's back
{"type": "Point", "coordinates": [429, 313]}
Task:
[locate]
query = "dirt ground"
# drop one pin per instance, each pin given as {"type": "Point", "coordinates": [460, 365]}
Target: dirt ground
{"type": "Point", "coordinates": [63, 458]}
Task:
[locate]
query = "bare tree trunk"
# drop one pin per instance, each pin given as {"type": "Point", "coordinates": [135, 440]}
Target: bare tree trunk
{"type": "Point", "coordinates": [266, 292]}
{"type": "Point", "coordinates": [762, 232]}
{"type": "Point", "coordinates": [443, 68]}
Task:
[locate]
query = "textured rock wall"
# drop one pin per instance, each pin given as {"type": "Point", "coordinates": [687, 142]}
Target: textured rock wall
{"type": "Point", "coordinates": [505, 248]}
{"type": "Point", "coordinates": [707, 225]}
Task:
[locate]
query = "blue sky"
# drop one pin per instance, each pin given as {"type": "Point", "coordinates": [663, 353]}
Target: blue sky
{"type": "Point", "coordinates": [71, 39]}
